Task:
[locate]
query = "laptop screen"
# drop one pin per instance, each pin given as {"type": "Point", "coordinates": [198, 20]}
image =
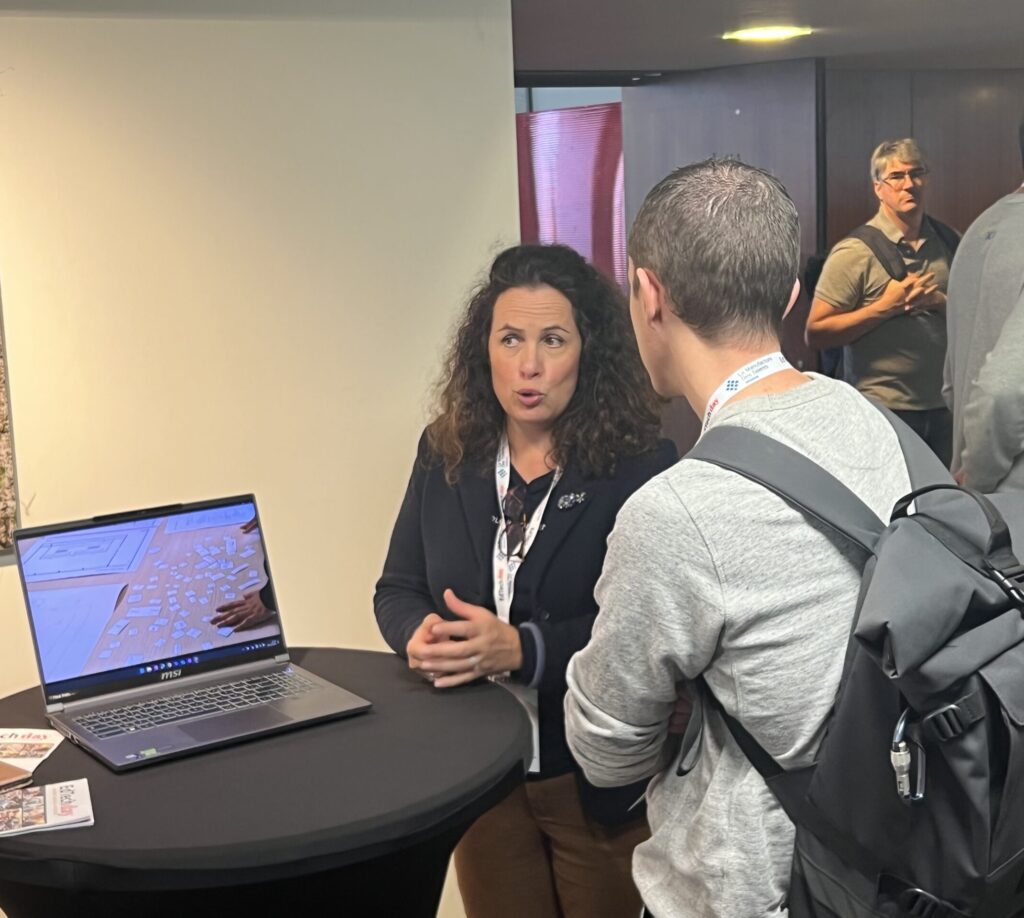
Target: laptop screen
{"type": "Point", "coordinates": [148, 596]}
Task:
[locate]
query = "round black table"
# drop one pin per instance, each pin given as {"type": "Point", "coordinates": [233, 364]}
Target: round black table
{"type": "Point", "coordinates": [356, 816]}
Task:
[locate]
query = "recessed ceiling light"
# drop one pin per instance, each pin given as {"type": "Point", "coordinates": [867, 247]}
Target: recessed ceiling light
{"type": "Point", "coordinates": [768, 33]}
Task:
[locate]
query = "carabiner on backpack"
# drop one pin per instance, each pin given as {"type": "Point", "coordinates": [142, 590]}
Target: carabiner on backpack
{"type": "Point", "coordinates": [902, 759]}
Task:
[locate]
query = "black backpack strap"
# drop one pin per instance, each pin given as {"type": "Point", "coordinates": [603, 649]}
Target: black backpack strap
{"type": "Point", "coordinates": [883, 248]}
{"type": "Point", "coordinates": [807, 486]}
{"type": "Point", "coordinates": [790, 789]}
{"type": "Point", "coordinates": [948, 235]}
{"type": "Point", "coordinates": [793, 477]}
{"type": "Point", "coordinates": [924, 467]}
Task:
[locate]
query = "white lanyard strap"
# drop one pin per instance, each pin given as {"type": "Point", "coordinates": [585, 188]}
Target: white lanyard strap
{"type": "Point", "coordinates": [505, 567]}
{"type": "Point", "coordinates": [505, 581]}
{"type": "Point", "coordinates": [745, 376]}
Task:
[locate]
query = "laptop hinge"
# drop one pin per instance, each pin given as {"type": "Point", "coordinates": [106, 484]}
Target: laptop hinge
{"type": "Point", "coordinates": [282, 658]}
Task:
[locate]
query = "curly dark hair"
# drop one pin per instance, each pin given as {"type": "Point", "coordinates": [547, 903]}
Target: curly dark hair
{"type": "Point", "coordinates": [614, 412]}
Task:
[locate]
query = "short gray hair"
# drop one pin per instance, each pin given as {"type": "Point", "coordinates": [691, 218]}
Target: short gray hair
{"type": "Point", "coordinates": [724, 239]}
{"type": "Point", "coordinates": [905, 150]}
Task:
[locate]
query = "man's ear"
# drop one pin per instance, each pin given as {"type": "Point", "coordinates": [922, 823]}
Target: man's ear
{"type": "Point", "coordinates": [792, 297]}
{"type": "Point", "coordinates": [652, 296]}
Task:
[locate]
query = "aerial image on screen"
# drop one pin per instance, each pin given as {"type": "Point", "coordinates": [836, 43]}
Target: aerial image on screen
{"type": "Point", "coordinates": [124, 595]}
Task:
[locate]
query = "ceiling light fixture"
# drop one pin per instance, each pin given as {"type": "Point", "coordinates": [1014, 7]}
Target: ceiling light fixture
{"type": "Point", "coordinates": [768, 33]}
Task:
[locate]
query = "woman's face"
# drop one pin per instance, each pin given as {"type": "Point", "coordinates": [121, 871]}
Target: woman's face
{"type": "Point", "coordinates": [534, 348]}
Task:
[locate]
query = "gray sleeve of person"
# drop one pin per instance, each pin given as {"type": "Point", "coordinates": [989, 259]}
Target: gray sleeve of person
{"type": "Point", "coordinates": [948, 370]}
{"type": "Point", "coordinates": [994, 409]}
{"type": "Point", "coordinates": [655, 629]}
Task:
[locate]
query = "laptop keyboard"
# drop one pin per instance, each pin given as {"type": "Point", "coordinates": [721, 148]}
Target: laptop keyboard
{"type": "Point", "coordinates": [214, 699]}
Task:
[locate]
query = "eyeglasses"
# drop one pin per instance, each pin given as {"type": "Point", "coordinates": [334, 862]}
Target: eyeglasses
{"type": "Point", "coordinates": [896, 179]}
{"type": "Point", "coordinates": [513, 536]}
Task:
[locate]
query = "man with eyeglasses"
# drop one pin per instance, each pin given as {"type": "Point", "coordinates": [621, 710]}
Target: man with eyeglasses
{"type": "Point", "coordinates": [892, 329]}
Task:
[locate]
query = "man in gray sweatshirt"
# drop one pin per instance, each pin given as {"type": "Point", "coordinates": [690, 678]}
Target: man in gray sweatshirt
{"type": "Point", "coordinates": [710, 575]}
{"type": "Point", "coordinates": [984, 373]}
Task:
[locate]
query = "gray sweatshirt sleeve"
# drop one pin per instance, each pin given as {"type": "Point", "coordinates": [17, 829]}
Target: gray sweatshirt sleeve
{"type": "Point", "coordinates": [994, 411]}
{"type": "Point", "coordinates": [658, 626]}
{"type": "Point", "coordinates": [947, 367]}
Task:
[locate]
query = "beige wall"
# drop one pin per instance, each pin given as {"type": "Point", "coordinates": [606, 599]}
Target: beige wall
{"type": "Point", "coordinates": [230, 255]}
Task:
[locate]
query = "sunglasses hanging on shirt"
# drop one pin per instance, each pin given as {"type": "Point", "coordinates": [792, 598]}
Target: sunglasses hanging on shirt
{"type": "Point", "coordinates": [513, 534]}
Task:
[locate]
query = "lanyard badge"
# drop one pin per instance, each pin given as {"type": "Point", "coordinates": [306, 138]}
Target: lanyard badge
{"type": "Point", "coordinates": [745, 376]}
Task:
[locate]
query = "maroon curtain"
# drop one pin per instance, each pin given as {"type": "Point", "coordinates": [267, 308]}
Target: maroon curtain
{"type": "Point", "coordinates": [571, 183]}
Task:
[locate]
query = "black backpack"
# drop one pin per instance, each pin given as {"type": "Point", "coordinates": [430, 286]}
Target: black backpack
{"type": "Point", "coordinates": [888, 253]}
{"type": "Point", "coordinates": [914, 805]}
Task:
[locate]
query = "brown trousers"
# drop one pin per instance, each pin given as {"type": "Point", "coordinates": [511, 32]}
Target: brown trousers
{"type": "Point", "coordinates": [536, 854]}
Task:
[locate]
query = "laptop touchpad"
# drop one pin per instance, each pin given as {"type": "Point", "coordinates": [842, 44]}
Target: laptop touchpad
{"type": "Point", "coordinates": [251, 720]}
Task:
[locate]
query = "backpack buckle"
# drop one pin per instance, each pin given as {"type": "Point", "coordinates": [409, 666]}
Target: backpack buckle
{"type": "Point", "coordinates": [1011, 579]}
{"type": "Point", "coordinates": [946, 723]}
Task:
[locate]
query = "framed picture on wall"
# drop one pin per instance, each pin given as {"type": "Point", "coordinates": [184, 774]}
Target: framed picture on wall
{"type": "Point", "coordinates": [8, 490]}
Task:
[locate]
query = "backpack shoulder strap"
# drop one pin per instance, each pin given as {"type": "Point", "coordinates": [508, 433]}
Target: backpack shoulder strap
{"type": "Point", "coordinates": [807, 486]}
{"type": "Point", "coordinates": [883, 248]}
{"type": "Point", "coordinates": [947, 234]}
{"type": "Point", "coordinates": [790, 789]}
{"type": "Point", "coordinates": [923, 466]}
{"type": "Point", "coordinates": [793, 477]}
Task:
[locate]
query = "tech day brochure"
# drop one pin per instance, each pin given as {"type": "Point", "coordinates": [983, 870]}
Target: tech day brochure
{"type": "Point", "coordinates": [27, 748]}
{"type": "Point", "coordinates": [63, 805]}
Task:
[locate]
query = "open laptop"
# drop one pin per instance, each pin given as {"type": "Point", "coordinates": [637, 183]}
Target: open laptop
{"type": "Point", "coordinates": [157, 633]}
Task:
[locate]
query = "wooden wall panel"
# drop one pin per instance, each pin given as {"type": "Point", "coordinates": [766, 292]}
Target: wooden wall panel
{"type": "Point", "coordinates": [862, 108]}
{"type": "Point", "coordinates": [966, 121]}
{"type": "Point", "coordinates": [765, 114]}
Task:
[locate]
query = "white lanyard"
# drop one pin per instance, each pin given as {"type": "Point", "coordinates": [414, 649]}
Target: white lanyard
{"type": "Point", "coordinates": [505, 568]}
{"type": "Point", "coordinates": [745, 376]}
{"type": "Point", "coordinates": [505, 581]}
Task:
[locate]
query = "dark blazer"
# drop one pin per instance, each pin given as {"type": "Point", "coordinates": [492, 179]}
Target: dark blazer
{"type": "Point", "coordinates": [444, 537]}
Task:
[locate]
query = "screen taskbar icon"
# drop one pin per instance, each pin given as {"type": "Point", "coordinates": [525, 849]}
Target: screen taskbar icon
{"type": "Point", "coordinates": [168, 664]}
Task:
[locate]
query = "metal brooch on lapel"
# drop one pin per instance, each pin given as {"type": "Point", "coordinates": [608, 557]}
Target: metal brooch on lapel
{"type": "Point", "coordinates": [572, 499]}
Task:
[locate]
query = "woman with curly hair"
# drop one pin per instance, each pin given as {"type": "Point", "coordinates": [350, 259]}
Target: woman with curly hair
{"type": "Point", "coordinates": [546, 423]}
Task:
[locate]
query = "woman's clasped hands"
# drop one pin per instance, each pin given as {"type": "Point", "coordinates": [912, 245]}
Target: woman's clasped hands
{"type": "Point", "coordinates": [451, 653]}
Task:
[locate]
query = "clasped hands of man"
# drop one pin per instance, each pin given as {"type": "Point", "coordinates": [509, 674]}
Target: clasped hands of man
{"type": "Point", "coordinates": [915, 294]}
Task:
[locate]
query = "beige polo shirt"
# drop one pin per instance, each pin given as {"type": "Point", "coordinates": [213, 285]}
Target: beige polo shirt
{"type": "Point", "coordinates": [899, 363]}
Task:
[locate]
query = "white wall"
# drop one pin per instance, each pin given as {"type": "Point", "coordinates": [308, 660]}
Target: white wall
{"type": "Point", "coordinates": [230, 255]}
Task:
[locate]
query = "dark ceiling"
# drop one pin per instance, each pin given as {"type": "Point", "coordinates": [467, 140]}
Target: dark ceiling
{"type": "Point", "coordinates": [579, 39]}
